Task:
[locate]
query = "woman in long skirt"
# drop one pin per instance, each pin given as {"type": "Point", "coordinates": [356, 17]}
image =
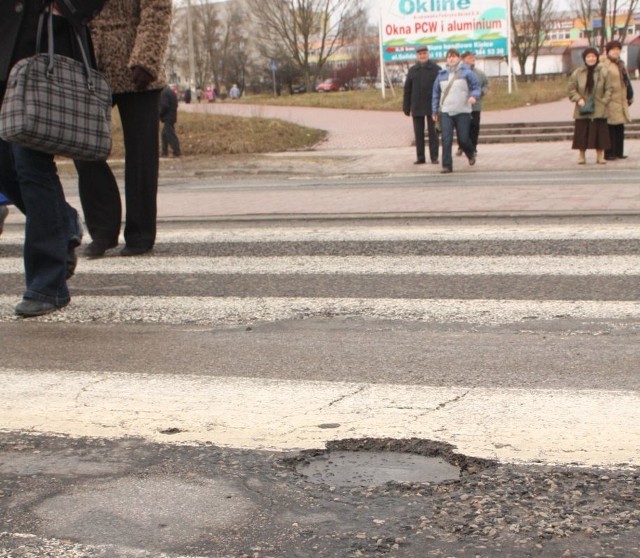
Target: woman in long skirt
{"type": "Point", "coordinates": [590, 89]}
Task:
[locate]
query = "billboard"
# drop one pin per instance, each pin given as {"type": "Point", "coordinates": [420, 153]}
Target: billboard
{"type": "Point", "coordinates": [477, 25]}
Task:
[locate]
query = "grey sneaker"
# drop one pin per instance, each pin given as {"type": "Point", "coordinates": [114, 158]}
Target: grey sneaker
{"type": "Point", "coordinates": [31, 308]}
{"type": "Point", "coordinates": [4, 211]}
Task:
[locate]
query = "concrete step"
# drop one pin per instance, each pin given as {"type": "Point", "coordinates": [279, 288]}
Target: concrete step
{"type": "Point", "coordinates": [531, 132]}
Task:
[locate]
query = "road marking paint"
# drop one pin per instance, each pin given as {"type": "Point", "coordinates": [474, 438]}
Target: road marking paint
{"type": "Point", "coordinates": [589, 427]}
{"type": "Point", "coordinates": [358, 265]}
{"type": "Point", "coordinates": [239, 310]}
{"type": "Point", "coordinates": [325, 233]}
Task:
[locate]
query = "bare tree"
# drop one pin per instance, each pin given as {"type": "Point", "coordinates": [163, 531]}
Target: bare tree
{"type": "Point", "coordinates": [206, 24]}
{"type": "Point", "coordinates": [310, 31]}
{"type": "Point", "coordinates": [585, 11]}
{"type": "Point", "coordinates": [530, 21]}
{"type": "Point", "coordinates": [608, 13]}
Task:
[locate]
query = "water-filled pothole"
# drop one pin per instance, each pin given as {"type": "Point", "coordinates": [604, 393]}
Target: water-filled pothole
{"type": "Point", "coordinates": [374, 468]}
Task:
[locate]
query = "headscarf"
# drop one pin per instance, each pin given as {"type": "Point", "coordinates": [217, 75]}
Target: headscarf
{"type": "Point", "coordinates": [590, 69]}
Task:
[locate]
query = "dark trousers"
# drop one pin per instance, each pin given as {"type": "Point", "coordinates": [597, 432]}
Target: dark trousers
{"type": "Point", "coordinates": [461, 124]}
{"type": "Point", "coordinates": [434, 142]}
{"type": "Point", "coordinates": [616, 139]}
{"type": "Point", "coordinates": [99, 192]}
{"type": "Point", "coordinates": [170, 138]}
{"type": "Point", "coordinates": [30, 180]}
{"type": "Point", "coordinates": [474, 130]}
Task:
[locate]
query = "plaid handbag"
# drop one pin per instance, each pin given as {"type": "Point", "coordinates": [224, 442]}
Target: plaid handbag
{"type": "Point", "coordinates": [57, 104]}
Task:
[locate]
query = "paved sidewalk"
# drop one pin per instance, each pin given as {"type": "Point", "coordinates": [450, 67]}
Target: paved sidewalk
{"type": "Point", "coordinates": [367, 169]}
{"type": "Point", "coordinates": [371, 144]}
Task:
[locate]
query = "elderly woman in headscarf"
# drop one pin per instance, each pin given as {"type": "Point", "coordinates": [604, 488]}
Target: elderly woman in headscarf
{"type": "Point", "coordinates": [590, 89]}
{"type": "Point", "coordinates": [621, 98]}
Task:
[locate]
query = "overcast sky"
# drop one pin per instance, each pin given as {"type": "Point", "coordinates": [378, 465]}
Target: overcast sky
{"type": "Point", "coordinates": [374, 5]}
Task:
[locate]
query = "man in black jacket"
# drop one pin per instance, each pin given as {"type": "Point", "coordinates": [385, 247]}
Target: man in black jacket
{"type": "Point", "coordinates": [29, 178]}
{"type": "Point", "coordinates": [418, 89]}
{"type": "Point", "coordinates": [169, 117]}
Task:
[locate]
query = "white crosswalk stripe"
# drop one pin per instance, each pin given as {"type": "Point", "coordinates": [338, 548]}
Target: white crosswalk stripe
{"type": "Point", "coordinates": [588, 427]}
{"type": "Point", "coordinates": [356, 265]}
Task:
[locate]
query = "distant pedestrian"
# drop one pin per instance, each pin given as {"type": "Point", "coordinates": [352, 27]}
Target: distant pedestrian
{"type": "Point", "coordinates": [187, 95]}
{"type": "Point", "coordinates": [234, 92]}
{"type": "Point", "coordinates": [169, 117]}
{"type": "Point", "coordinates": [590, 88]}
{"type": "Point", "coordinates": [455, 92]}
{"type": "Point", "coordinates": [418, 90]}
{"type": "Point", "coordinates": [621, 98]}
{"type": "Point", "coordinates": [469, 58]}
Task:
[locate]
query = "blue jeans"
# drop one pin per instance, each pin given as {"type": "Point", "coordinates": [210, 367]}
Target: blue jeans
{"type": "Point", "coordinates": [30, 180]}
{"type": "Point", "coordinates": [462, 124]}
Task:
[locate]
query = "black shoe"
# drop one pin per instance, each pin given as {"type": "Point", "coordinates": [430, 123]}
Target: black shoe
{"type": "Point", "coordinates": [459, 152]}
{"type": "Point", "coordinates": [134, 251]}
{"type": "Point", "coordinates": [419, 162]}
{"type": "Point", "coordinates": [622, 156]}
{"type": "Point", "coordinates": [97, 248]}
{"type": "Point", "coordinates": [446, 171]}
{"type": "Point", "coordinates": [610, 158]}
{"type": "Point", "coordinates": [435, 161]}
{"type": "Point", "coordinates": [472, 160]}
{"type": "Point", "coordinates": [30, 308]}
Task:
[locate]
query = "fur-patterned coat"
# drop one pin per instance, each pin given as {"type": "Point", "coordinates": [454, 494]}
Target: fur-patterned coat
{"type": "Point", "coordinates": [130, 33]}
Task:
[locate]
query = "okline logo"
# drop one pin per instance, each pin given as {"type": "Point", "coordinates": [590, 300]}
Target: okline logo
{"type": "Point", "coordinates": [410, 7]}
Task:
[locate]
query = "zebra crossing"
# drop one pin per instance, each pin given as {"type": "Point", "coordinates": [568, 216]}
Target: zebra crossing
{"type": "Point", "coordinates": [491, 283]}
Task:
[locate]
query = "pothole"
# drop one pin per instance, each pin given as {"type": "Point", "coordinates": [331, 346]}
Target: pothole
{"type": "Point", "coordinates": [367, 468]}
{"type": "Point", "coordinates": [378, 461]}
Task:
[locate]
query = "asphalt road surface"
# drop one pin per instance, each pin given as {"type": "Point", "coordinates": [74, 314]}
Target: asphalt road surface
{"type": "Point", "coordinates": [167, 410]}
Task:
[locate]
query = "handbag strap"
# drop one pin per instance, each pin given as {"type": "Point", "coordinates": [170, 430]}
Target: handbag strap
{"type": "Point", "coordinates": [48, 14]}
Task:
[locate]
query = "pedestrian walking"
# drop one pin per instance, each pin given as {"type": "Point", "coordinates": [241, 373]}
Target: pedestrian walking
{"type": "Point", "coordinates": [169, 117]}
{"type": "Point", "coordinates": [469, 58]}
{"type": "Point", "coordinates": [418, 91]}
{"type": "Point", "coordinates": [455, 91]}
{"type": "Point", "coordinates": [234, 92]}
{"type": "Point", "coordinates": [131, 38]}
{"type": "Point", "coordinates": [621, 97]}
{"type": "Point", "coordinates": [590, 89]}
{"type": "Point", "coordinates": [29, 178]}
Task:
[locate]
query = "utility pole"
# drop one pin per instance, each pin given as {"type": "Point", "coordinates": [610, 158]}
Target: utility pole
{"type": "Point", "coordinates": [192, 64]}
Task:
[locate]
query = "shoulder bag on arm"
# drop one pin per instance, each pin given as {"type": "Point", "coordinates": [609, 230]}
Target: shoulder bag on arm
{"type": "Point", "coordinates": [56, 104]}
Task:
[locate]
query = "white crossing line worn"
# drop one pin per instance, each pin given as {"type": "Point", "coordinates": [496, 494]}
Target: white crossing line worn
{"type": "Point", "coordinates": [358, 265]}
{"type": "Point", "coordinates": [324, 233]}
{"type": "Point", "coordinates": [566, 426]}
{"type": "Point", "coordinates": [585, 427]}
{"type": "Point", "coordinates": [178, 310]}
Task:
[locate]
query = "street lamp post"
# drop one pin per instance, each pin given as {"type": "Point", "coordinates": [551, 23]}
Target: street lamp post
{"type": "Point", "coordinates": [192, 64]}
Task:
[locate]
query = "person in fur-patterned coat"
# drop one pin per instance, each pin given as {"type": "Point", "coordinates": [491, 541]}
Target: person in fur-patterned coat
{"type": "Point", "coordinates": [130, 39]}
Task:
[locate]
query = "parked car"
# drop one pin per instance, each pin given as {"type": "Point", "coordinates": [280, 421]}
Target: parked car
{"type": "Point", "coordinates": [360, 83]}
{"type": "Point", "coordinates": [296, 89]}
{"type": "Point", "coordinates": [330, 85]}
